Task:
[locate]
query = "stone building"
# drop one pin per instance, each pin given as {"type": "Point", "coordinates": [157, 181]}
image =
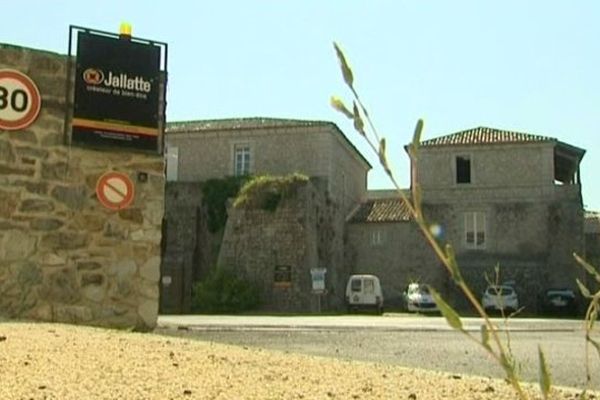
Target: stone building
{"type": "Point", "coordinates": [592, 243]}
{"type": "Point", "coordinates": [198, 151]}
{"type": "Point", "coordinates": [498, 197]}
{"type": "Point", "coordinates": [63, 256]}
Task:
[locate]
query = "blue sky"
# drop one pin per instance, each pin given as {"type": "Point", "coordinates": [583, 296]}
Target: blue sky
{"type": "Point", "coordinates": [530, 66]}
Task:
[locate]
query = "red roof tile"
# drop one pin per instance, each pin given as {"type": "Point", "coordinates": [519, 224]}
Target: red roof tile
{"type": "Point", "coordinates": [484, 135]}
{"type": "Point", "coordinates": [381, 210]}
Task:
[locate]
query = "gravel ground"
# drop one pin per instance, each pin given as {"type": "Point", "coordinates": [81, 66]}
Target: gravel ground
{"type": "Point", "coordinates": [54, 361]}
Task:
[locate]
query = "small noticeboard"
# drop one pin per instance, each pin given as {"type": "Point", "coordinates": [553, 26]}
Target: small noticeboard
{"type": "Point", "coordinates": [20, 100]}
{"type": "Point", "coordinates": [318, 279]}
{"type": "Point", "coordinates": [115, 190]}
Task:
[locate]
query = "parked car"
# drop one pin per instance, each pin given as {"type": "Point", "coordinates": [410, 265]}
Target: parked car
{"type": "Point", "coordinates": [559, 301]}
{"type": "Point", "coordinates": [500, 298]}
{"type": "Point", "coordinates": [418, 298]}
{"type": "Point", "coordinates": [364, 291]}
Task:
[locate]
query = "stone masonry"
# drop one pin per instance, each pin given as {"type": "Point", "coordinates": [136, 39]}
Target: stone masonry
{"type": "Point", "coordinates": [304, 232]}
{"type": "Point", "coordinates": [63, 256]}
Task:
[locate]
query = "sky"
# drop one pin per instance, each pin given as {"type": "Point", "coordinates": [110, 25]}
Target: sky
{"type": "Point", "coordinates": [527, 66]}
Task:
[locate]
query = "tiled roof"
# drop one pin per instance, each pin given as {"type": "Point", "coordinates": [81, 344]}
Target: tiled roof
{"type": "Point", "coordinates": [591, 223]}
{"type": "Point", "coordinates": [381, 210]}
{"type": "Point", "coordinates": [238, 123]}
{"type": "Point", "coordinates": [592, 214]}
{"type": "Point", "coordinates": [484, 135]}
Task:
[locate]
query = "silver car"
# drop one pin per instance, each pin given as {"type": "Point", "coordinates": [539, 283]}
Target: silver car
{"type": "Point", "coordinates": [418, 298]}
{"type": "Point", "coordinates": [500, 298]}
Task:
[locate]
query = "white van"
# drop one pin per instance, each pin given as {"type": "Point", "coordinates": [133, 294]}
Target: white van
{"type": "Point", "coordinates": [364, 291]}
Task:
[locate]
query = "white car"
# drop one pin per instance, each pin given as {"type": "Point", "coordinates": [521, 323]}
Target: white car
{"type": "Point", "coordinates": [500, 298]}
{"type": "Point", "coordinates": [418, 298]}
{"type": "Point", "coordinates": [364, 291]}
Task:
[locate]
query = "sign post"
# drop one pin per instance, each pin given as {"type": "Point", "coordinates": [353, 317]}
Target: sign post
{"type": "Point", "coordinates": [318, 284]}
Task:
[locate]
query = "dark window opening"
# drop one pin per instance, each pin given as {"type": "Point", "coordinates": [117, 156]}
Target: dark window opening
{"type": "Point", "coordinates": [566, 169]}
{"type": "Point", "coordinates": [463, 169]}
{"type": "Point", "coordinates": [356, 285]}
{"type": "Point", "coordinates": [283, 276]}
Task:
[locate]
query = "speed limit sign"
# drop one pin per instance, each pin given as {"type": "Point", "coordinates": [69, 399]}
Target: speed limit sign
{"type": "Point", "coordinates": [20, 100]}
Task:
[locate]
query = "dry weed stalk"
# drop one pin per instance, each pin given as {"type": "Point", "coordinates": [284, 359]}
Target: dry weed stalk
{"type": "Point", "coordinates": [489, 338]}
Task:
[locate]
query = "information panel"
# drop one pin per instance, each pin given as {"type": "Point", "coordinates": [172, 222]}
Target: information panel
{"type": "Point", "coordinates": [117, 87]}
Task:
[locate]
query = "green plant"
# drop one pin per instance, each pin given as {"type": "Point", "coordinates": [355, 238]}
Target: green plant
{"type": "Point", "coordinates": [215, 193]}
{"type": "Point", "coordinates": [266, 192]}
{"type": "Point", "coordinates": [489, 339]}
{"type": "Point", "coordinates": [224, 292]}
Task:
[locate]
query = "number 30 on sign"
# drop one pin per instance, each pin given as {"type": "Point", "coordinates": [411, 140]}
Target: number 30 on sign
{"type": "Point", "coordinates": [20, 100]}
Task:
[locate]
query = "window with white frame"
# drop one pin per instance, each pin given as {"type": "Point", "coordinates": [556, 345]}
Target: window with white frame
{"type": "Point", "coordinates": [377, 237]}
{"type": "Point", "coordinates": [475, 230]}
{"type": "Point", "coordinates": [241, 160]}
{"type": "Point", "coordinates": [172, 161]}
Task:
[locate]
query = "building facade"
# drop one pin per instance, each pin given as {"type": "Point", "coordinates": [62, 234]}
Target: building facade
{"type": "Point", "coordinates": [498, 197]}
{"type": "Point", "coordinates": [200, 151]}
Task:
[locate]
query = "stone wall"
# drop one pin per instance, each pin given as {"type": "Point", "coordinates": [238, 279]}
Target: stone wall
{"type": "Point", "coordinates": [401, 256]}
{"type": "Point", "coordinates": [190, 249]}
{"type": "Point", "coordinates": [63, 256]}
{"type": "Point", "coordinates": [532, 242]}
{"type": "Point", "coordinates": [304, 232]}
{"type": "Point", "coordinates": [506, 166]}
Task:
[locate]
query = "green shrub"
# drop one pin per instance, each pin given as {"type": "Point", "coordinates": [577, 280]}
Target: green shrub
{"type": "Point", "coordinates": [224, 292]}
{"type": "Point", "coordinates": [266, 192]}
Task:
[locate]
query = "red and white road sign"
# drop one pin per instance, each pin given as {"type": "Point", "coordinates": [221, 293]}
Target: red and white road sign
{"type": "Point", "coordinates": [20, 100]}
{"type": "Point", "coordinates": [115, 190]}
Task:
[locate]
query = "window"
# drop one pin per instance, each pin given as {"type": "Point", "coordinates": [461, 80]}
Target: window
{"type": "Point", "coordinates": [369, 286]}
{"type": "Point", "coordinates": [172, 161]}
{"type": "Point", "coordinates": [463, 169]}
{"type": "Point", "coordinates": [241, 160]}
{"type": "Point", "coordinates": [356, 285]}
{"type": "Point", "coordinates": [475, 230]}
{"type": "Point", "coordinates": [376, 238]}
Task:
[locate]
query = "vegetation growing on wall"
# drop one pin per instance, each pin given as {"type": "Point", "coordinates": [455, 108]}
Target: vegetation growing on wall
{"type": "Point", "coordinates": [266, 192]}
{"type": "Point", "coordinates": [215, 193]}
{"type": "Point", "coordinates": [224, 292]}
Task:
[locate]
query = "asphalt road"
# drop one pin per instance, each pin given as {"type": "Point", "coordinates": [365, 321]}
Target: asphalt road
{"type": "Point", "coordinates": [410, 341]}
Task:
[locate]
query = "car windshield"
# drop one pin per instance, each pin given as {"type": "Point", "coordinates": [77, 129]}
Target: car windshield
{"type": "Point", "coordinates": [499, 291]}
{"type": "Point", "coordinates": [417, 289]}
{"type": "Point", "coordinates": [560, 292]}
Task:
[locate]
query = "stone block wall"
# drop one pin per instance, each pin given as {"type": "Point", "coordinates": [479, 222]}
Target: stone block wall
{"type": "Point", "coordinates": [304, 232]}
{"type": "Point", "coordinates": [401, 256]}
{"type": "Point", "coordinates": [63, 256]}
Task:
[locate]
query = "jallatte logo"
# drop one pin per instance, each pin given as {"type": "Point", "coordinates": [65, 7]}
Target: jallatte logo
{"type": "Point", "coordinates": [93, 76]}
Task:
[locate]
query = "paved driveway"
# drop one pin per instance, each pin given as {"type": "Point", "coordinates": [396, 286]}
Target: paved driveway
{"type": "Point", "coordinates": [390, 322]}
{"type": "Point", "coordinates": [401, 339]}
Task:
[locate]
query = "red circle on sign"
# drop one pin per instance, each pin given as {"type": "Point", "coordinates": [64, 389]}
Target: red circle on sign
{"type": "Point", "coordinates": [115, 190]}
{"type": "Point", "coordinates": [33, 96]}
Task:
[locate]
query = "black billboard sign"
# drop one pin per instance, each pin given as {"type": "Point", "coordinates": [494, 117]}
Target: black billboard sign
{"type": "Point", "coordinates": [117, 91]}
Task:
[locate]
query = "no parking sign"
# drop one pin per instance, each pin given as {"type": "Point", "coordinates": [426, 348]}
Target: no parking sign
{"type": "Point", "coordinates": [20, 100]}
{"type": "Point", "coordinates": [115, 190]}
